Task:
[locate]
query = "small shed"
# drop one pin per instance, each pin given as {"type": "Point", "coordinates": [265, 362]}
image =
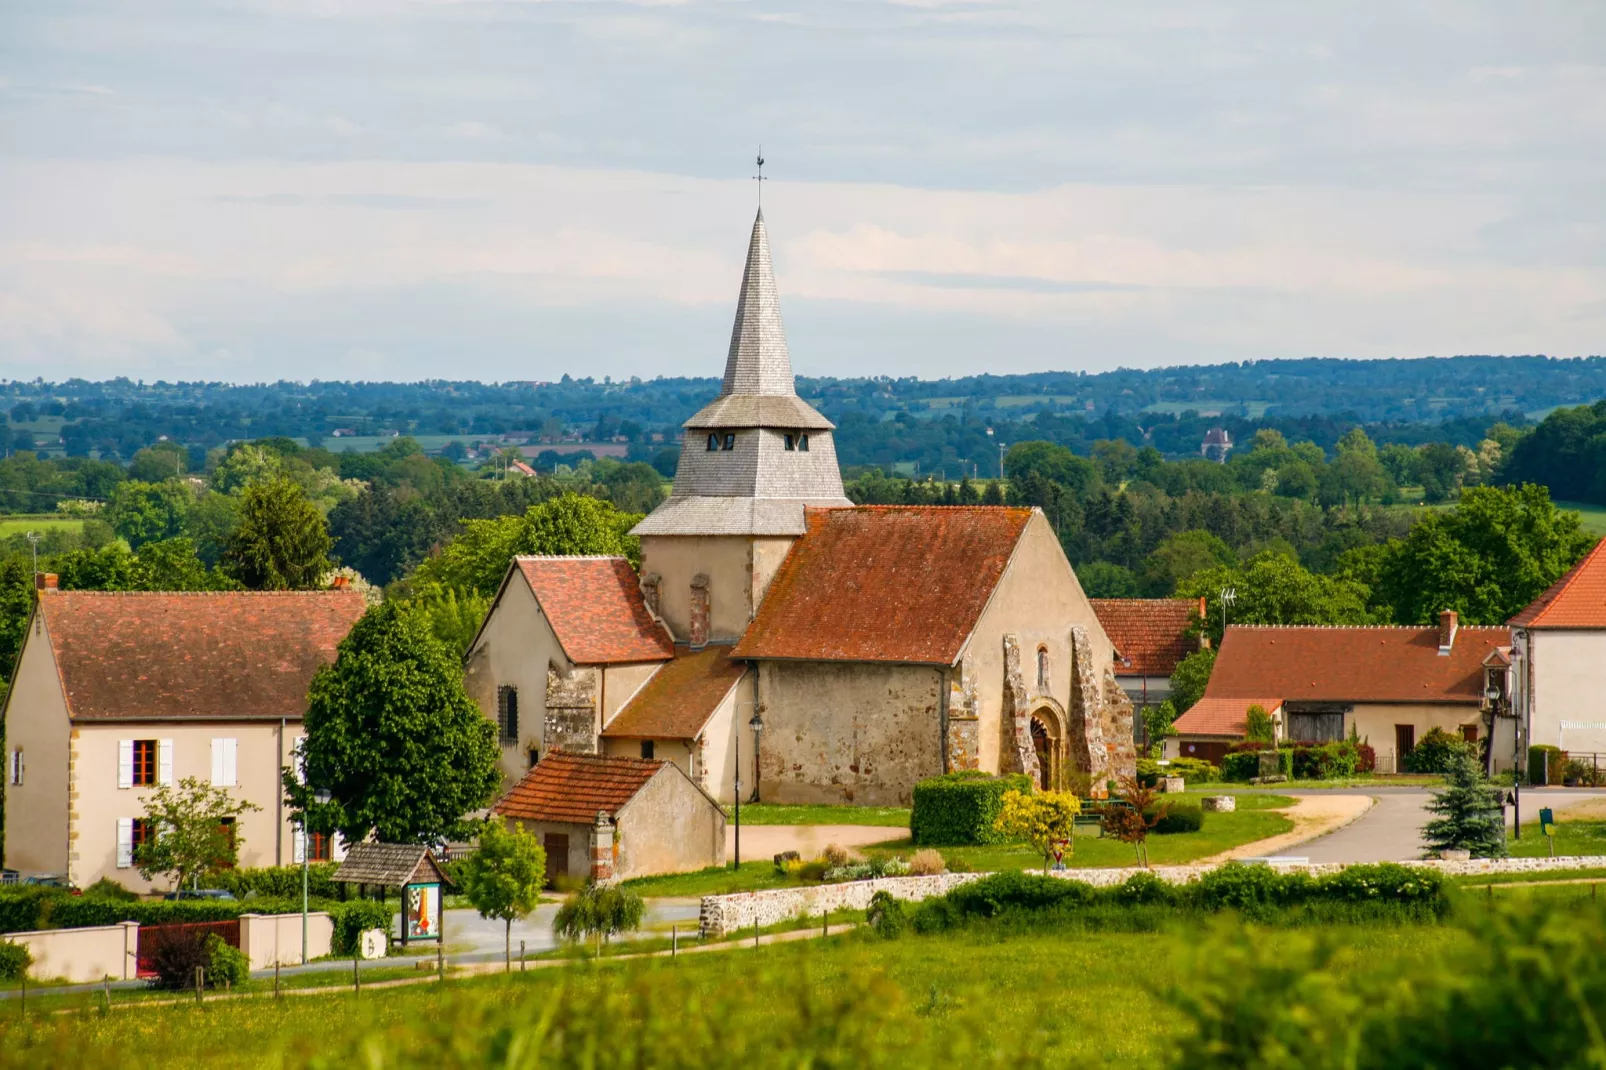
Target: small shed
{"type": "Point", "coordinates": [607, 816]}
{"type": "Point", "coordinates": [409, 867]}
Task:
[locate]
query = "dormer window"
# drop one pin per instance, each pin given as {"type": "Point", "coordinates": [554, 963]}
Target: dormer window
{"type": "Point", "coordinates": [730, 442]}
{"type": "Point", "coordinates": [803, 443]}
{"type": "Point", "coordinates": [713, 443]}
{"type": "Point", "coordinates": [791, 443]}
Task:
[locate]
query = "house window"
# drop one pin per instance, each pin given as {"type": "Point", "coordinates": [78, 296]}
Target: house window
{"type": "Point", "coordinates": [535, 756]}
{"type": "Point", "coordinates": [507, 714]}
{"type": "Point", "coordinates": [730, 442]}
{"type": "Point", "coordinates": [16, 766]}
{"type": "Point", "coordinates": [803, 443]}
{"type": "Point", "coordinates": [142, 834]}
{"type": "Point", "coordinates": [1469, 732]}
{"type": "Point", "coordinates": [320, 848]}
{"type": "Point", "coordinates": [713, 443]}
{"type": "Point", "coordinates": [791, 443]}
{"type": "Point", "coordinates": [144, 762]}
{"type": "Point", "coordinates": [1042, 668]}
{"type": "Point", "coordinates": [226, 829]}
{"type": "Point", "coordinates": [646, 748]}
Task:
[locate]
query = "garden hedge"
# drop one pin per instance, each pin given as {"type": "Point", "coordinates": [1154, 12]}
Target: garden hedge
{"type": "Point", "coordinates": [1179, 817]}
{"type": "Point", "coordinates": [278, 882]}
{"type": "Point", "coordinates": [958, 809]}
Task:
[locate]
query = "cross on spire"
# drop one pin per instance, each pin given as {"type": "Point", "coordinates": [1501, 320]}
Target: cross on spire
{"type": "Point", "coordinates": [759, 178]}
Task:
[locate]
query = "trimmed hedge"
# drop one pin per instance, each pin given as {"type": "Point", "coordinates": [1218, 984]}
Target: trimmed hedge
{"type": "Point", "coordinates": [23, 909]}
{"type": "Point", "coordinates": [1179, 817]}
{"type": "Point", "coordinates": [1545, 764]}
{"type": "Point", "coordinates": [278, 882]}
{"type": "Point", "coordinates": [958, 809]}
{"type": "Point", "coordinates": [353, 918]}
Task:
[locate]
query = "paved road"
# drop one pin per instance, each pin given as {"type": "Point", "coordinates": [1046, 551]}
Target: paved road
{"type": "Point", "coordinates": [1392, 830]}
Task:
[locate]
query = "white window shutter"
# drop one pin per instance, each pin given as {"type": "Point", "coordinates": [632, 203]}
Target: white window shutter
{"type": "Point", "coordinates": [125, 842]}
{"type": "Point", "coordinates": [337, 847]}
{"type": "Point", "coordinates": [300, 847]}
{"type": "Point", "coordinates": [231, 770]}
{"type": "Point", "coordinates": [125, 763]}
{"type": "Point", "coordinates": [217, 763]}
{"type": "Point", "coordinates": [164, 761]}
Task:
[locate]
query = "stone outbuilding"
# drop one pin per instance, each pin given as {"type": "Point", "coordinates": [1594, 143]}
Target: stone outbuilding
{"type": "Point", "coordinates": [616, 817]}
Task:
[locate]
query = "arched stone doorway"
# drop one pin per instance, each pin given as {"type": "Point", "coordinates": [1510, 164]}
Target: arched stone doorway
{"type": "Point", "coordinates": [1048, 742]}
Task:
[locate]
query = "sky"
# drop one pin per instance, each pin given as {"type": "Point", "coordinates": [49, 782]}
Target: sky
{"type": "Point", "coordinates": [250, 190]}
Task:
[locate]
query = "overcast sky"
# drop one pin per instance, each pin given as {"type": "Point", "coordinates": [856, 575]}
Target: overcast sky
{"type": "Point", "coordinates": [410, 189]}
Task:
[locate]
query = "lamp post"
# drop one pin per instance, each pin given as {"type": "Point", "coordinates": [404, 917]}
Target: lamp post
{"type": "Point", "coordinates": [757, 725]}
{"type": "Point", "coordinates": [321, 797]}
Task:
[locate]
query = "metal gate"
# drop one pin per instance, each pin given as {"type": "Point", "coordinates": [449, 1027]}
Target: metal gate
{"type": "Point", "coordinates": [152, 938]}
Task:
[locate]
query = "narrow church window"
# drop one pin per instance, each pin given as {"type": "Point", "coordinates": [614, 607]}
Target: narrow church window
{"type": "Point", "coordinates": [803, 443]}
{"type": "Point", "coordinates": [713, 443]}
{"type": "Point", "coordinates": [507, 714]}
{"type": "Point", "coordinates": [730, 442]}
{"type": "Point", "coordinates": [535, 756]}
{"type": "Point", "coordinates": [646, 748]}
{"type": "Point", "coordinates": [789, 443]}
{"type": "Point", "coordinates": [1042, 668]}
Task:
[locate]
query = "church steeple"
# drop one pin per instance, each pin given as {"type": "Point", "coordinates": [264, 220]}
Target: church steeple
{"type": "Point", "coordinates": [758, 362]}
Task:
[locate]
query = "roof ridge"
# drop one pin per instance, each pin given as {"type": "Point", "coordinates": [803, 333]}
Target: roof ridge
{"type": "Point", "coordinates": [912, 507]}
{"type": "Point", "coordinates": [1552, 594]}
{"type": "Point", "coordinates": [570, 557]}
{"type": "Point", "coordinates": [80, 591]}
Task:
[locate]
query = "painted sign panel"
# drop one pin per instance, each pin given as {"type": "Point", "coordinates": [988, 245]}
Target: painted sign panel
{"type": "Point", "coordinates": [423, 911]}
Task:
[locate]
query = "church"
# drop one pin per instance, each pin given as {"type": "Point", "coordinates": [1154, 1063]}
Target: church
{"type": "Point", "coordinates": [781, 644]}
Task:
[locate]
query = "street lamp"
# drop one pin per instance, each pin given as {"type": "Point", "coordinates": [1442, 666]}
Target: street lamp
{"type": "Point", "coordinates": [757, 725]}
{"type": "Point", "coordinates": [321, 797]}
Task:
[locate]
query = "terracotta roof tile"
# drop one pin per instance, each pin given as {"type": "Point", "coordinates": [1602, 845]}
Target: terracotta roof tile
{"type": "Point", "coordinates": [1220, 716]}
{"type": "Point", "coordinates": [885, 583]}
{"type": "Point", "coordinates": [220, 655]}
{"type": "Point", "coordinates": [1577, 600]}
{"type": "Point", "coordinates": [594, 605]}
{"type": "Point", "coordinates": [571, 788]}
{"type": "Point", "coordinates": [1353, 664]}
{"type": "Point", "coordinates": [1150, 634]}
{"type": "Point", "coordinates": [680, 697]}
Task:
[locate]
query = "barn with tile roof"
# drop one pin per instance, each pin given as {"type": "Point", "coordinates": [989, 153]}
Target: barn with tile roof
{"type": "Point", "coordinates": [780, 642]}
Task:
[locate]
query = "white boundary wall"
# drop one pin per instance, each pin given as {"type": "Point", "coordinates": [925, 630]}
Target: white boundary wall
{"type": "Point", "coordinates": [269, 938]}
{"type": "Point", "coordinates": [93, 953]}
{"type": "Point", "coordinates": [722, 914]}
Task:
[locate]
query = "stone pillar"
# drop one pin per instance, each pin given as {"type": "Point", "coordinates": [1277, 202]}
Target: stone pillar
{"type": "Point", "coordinates": [1115, 719]}
{"type": "Point", "coordinates": [700, 610]}
{"type": "Point", "coordinates": [1085, 732]}
{"type": "Point", "coordinates": [1016, 753]}
{"type": "Point", "coordinates": [602, 849]}
{"type": "Point", "coordinates": [963, 739]}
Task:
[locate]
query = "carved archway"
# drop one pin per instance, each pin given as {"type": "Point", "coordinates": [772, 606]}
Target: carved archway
{"type": "Point", "coordinates": [1048, 741]}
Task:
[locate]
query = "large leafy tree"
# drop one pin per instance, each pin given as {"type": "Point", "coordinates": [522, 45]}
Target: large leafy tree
{"type": "Point", "coordinates": [393, 737]}
{"type": "Point", "coordinates": [1273, 588]}
{"type": "Point", "coordinates": [1486, 559]}
{"type": "Point", "coordinates": [149, 512]}
{"type": "Point", "coordinates": [281, 542]}
{"type": "Point", "coordinates": [169, 565]}
{"type": "Point", "coordinates": [503, 877]}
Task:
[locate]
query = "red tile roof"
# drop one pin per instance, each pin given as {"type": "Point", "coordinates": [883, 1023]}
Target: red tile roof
{"type": "Point", "coordinates": [1150, 634]}
{"type": "Point", "coordinates": [1577, 600]}
{"type": "Point", "coordinates": [1317, 664]}
{"type": "Point", "coordinates": [594, 605]}
{"type": "Point", "coordinates": [1220, 716]}
{"type": "Point", "coordinates": [224, 656]}
{"type": "Point", "coordinates": [680, 697]}
{"type": "Point", "coordinates": [571, 788]}
{"type": "Point", "coordinates": [885, 583]}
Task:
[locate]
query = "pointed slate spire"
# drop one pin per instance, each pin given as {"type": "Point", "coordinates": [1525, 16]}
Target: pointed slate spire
{"type": "Point", "coordinates": [758, 362]}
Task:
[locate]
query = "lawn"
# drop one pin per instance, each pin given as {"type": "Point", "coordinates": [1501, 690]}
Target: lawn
{"type": "Point", "coordinates": [1593, 516]}
{"type": "Point", "coordinates": [769, 814]}
{"type": "Point", "coordinates": [1575, 836]}
{"type": "Point", "coordinates": [1255, 819]}
{"type": "Point", "coordinates": [1043, 998]}
{"type": "Point", "coordinates": [20, 525]}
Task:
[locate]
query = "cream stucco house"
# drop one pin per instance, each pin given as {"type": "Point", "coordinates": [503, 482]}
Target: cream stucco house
{"type": "Point", "coordinates": [787, 645]}
{"type": "Point", "coordinates": [115, 693]}
{"type": "Point", "coordinates": [1558, 672]}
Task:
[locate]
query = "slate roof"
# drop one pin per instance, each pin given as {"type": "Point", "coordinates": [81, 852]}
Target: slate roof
{"type": "Point", "coordinates": [885, 583]}
{"type": "Point", "coordinates": [1577, 600]}
{"type": "Point", "coordinates": [680, 698]}
{"type": "Point", "coordinates": [1346, 665]}
{"type": "Point", "coordinates": [571, 788]}
{"type": "Point", "coordinates": [595, 607]}
{"type": "Point", "coordinates": [1150, 634]}
{"type": "Point", "coordinates": [213, 656]}
{"type": "Point", "coordinates": [391, 864]}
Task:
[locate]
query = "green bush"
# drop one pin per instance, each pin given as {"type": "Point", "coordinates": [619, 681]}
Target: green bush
{"type": "Point", "coordinates": [958, 809]}
{"type": "Point", "coordinates": [1194, 770]}
{"type": "Point", "coordinates": [14, 961]}
{"type": "Point", "coordinates": [605, 909]}
{"type": "Point", "coordinates": [1544, 759]}
{"type": "Point", "coordinates": [28, 908]}
{"type": "Point", "coordinates": [1179, 817]}
{"type": "Point", "coordinates": [278, 882]}
{"type": "Point", "coordinates": [1436, 751]}
{"type": "Point", "coordinates": [351, 919]}
{"type": "Point", "coordinates": [1325, 761]}
{"type": "Point", "coordinates": [1148, 772]}
{"type": "Point", "coordinates": [887, 915]}
{"type": "Point", "coordinates": [1240, 766]}
{"type": "Point", "coordinates": [225, 964]}
{"type": "Point", "coordinates": [106, 888]}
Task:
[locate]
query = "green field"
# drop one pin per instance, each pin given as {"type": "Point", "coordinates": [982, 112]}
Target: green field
{"type": "Point", "coordinates": [1255, 409]}
{"type": "Point", "coordinates": [1594, 516]}
{"type": "Point", "coordinates": [769, 814]}
{"type": "Point", "coordinates": [20, 525]}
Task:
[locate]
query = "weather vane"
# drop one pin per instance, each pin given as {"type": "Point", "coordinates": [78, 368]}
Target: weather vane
{"type": "Point", "coordinates": [759, 178]}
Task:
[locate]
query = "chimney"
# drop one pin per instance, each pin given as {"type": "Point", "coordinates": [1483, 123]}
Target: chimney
{"type": "Point", "coordinates": [1448, 623]}
{"type": "Point", "coordinates": [602, 849]}
{"type": "Point", "coordinates": [45, 581]}
{"type": "Point", "coordinates": [340, 583]}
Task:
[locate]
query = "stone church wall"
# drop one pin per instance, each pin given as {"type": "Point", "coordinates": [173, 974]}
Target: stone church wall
{"type": "Point", "coordinates": [849, 732]}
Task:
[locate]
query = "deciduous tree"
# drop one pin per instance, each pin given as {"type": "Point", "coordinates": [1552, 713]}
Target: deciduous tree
{"type": "Point", "coordinates": [194, 831]}
{"type": "Point", "coordinates": [1043, 819]}
{"type": "Point", "coordinates": [281, 542]}
{"type": "Point", "coordinates": [503, 877]}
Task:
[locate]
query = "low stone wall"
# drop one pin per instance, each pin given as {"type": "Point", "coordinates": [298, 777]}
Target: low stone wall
{"type": "Point", "coordinates": [269, 938]}
{"type": "Point", "coordinates": [93, 953]}
{"type": "Point", "coordinates": [722, 914]}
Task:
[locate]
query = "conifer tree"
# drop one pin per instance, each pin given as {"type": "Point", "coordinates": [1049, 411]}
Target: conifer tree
{"type": "Point", "coordinates": [1470, 815]}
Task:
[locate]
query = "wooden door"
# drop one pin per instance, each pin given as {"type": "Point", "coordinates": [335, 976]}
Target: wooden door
{"type": "Point", "coordinates": [1404, 744]}
{"type": "Point", "coordinates": [557, 855]}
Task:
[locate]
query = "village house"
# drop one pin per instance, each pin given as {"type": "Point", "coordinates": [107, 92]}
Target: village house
{"type": "Point", "coordinates": [1150, 636]}
{"type": "Point", "coordinates": [116, 693]}
{"type": "Point", "coordinates": [1387, 685]}
{"type": "Point", "coordinates": [1558, 654]}
{"type": "Point", "coordinates": [783, 644]}
{"type": "Point", "coordinates": [609, 818]}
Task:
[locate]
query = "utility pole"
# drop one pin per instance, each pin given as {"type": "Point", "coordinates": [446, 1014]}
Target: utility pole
{"type": "Point", "coordinates": [33, 541]}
